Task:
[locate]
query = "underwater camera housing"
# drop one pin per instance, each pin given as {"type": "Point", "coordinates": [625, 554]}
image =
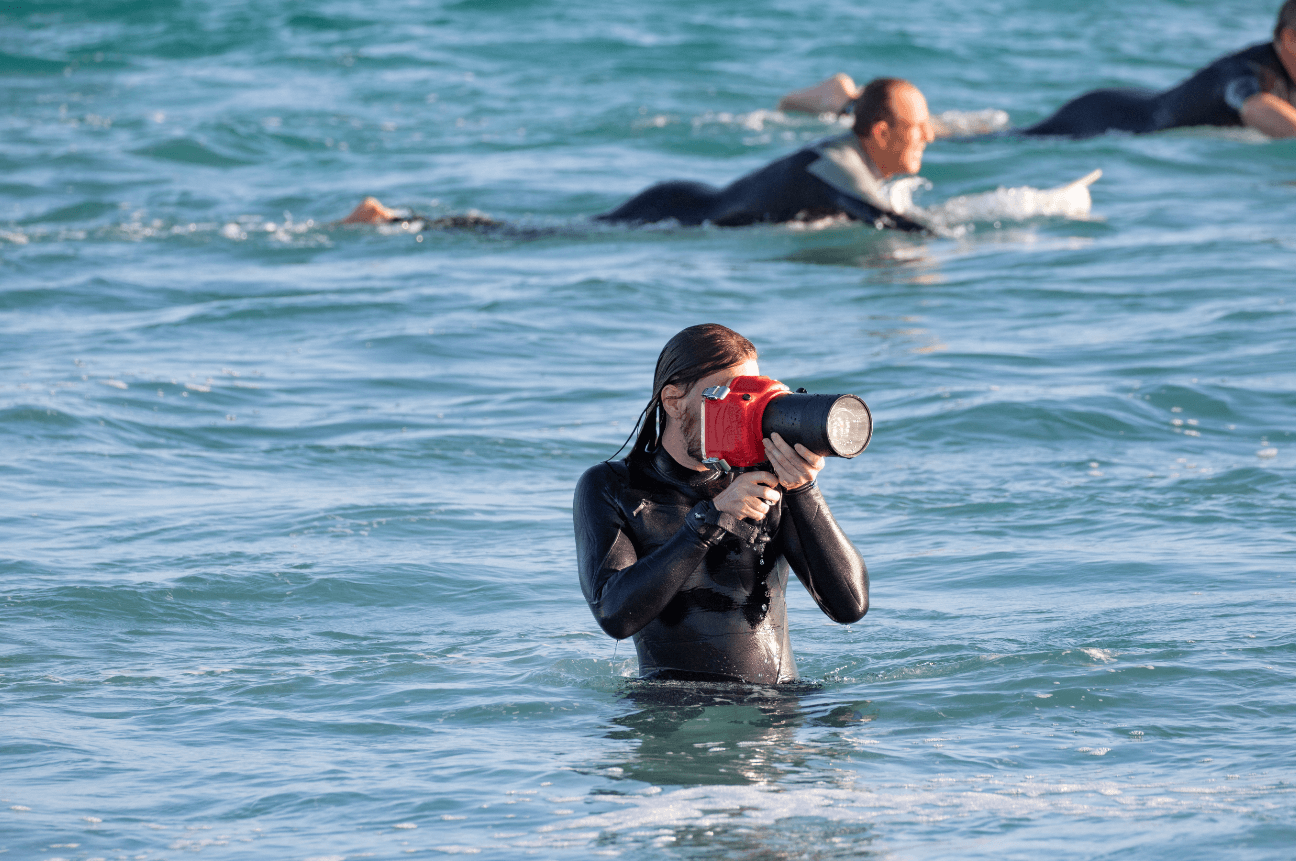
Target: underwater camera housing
{"type": "Point", "coordinates": [737, 417]}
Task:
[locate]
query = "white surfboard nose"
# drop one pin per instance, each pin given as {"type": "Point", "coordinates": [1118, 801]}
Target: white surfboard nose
{"type": "Point", "coordinates": [1087, 180]}
{"type": "Point", "coordinates": [1071, 200]}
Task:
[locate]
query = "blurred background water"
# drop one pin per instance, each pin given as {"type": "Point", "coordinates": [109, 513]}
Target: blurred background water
{"type": "Point", "coordinates": [286, 563]}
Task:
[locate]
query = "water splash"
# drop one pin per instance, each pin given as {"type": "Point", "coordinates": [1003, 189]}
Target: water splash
{"type": "Point", "coordinates": [1022, 203]}
{"type": "Point", "coordinates": [969, 123]}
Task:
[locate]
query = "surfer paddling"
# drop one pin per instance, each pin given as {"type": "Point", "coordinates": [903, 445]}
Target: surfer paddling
{"type": "Point", "coordinates": [1255, 87]}
{"type": "Point", "coordinates": [840, 176]}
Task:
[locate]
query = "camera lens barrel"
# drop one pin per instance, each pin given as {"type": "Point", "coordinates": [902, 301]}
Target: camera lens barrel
{"type": "Point", "coordinates": [828, 425]}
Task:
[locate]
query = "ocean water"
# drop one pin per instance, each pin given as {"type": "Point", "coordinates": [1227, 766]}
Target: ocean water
{"type": "Point", "coordinates": [286, 565]}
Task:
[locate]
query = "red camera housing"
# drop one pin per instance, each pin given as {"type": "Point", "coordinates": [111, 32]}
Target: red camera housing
{"type": "Point", "coordinates": [731, 420]}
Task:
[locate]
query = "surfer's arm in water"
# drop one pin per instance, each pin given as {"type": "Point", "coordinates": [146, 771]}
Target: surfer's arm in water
{"type": "Point", "coordinates": [371, 211]}
{"type": "Point", "coordinates": [834, 95]}
{"type": "Point", "coordinates": [1270, 115]}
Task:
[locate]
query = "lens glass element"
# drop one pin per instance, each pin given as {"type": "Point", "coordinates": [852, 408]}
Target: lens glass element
{"type": "Point", "coordinates": [849, 426]}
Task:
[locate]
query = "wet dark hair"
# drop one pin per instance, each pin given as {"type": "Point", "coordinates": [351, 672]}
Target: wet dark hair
{"type": "Point", "coordinates": [692, 354]}
{"type": "Point", "coordinates": [1286, 19]}
{"type": "Point", "coordinates": [874, 103]}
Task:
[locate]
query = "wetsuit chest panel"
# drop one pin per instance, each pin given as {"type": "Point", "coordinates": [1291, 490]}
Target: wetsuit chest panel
{"type": "Point", "coordinates": [844, 166]}
{"type": "Point", "coordinates": [728, 583]}
{"type": "Point", "coordinates": [650, 523]}
{"type": "Point", "coordinates": [731, 569]}
{"type": "Point", "coordinates": [779, 192]}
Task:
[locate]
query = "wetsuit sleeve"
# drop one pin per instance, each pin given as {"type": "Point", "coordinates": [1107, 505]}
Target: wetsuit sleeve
{"type": "Point", "coordinates": [625, 592]}
{"type": "Point", "coordinates": [822, 557]}
{"type": "Point", "coordinates": [1238, 90]}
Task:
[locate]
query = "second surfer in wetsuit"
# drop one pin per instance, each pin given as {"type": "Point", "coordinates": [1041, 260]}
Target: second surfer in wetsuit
{"type": "Point", "coordinates": [693, 563]}
{"type": "Point", "coordinates": [1253, 87]}
{"type": "Point", "coordinates": [838, 176]}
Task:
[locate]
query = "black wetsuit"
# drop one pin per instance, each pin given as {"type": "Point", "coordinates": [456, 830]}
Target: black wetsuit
{"type": "Point", "coordinates": [704, 594]}
{"type": "Point", "coordinates": [831, 177]}
{"type": "Point", "coordinates": [1211, 97]}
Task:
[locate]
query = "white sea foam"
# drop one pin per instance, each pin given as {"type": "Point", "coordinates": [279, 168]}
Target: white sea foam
{"type": "Point", "coordinates": [965, 123]}
{"type": "Point", "coordinates": [1023, 203]}
{"type": "Point", "coordinates": [946, 123]}
{"type": "Point", "coordinates": [762, 119]}
{"type": "Point", "coordinates": [196, 845]}
{"type": "Point", "coordinates": [301, 234]}
{"type": "Point", "coordinates": [1094, 751]}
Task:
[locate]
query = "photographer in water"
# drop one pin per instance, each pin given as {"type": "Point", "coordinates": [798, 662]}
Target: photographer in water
{"type": "Point", "coordinates": [692, 560]}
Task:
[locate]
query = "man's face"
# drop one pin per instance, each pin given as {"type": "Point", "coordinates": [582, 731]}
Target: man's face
{"type": "Point", "coordinates": [691, 420]}
{"type": "Point", "coordinates": [901, 142]}
{"type": "Point", "coordinates": [1286, 47]}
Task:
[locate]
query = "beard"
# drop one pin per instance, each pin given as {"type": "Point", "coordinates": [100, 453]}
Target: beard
{"type": "Point", "coordinates": [691, 428]}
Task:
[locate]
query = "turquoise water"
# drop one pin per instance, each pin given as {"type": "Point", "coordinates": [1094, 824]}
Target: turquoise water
{"type": "Point", "coordinates": [286, 566]}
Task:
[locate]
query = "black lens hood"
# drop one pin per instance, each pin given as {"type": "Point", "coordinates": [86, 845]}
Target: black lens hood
{"type": "Point", "coordinates": [804, 418]}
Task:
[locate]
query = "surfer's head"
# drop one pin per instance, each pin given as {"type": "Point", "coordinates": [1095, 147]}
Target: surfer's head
{"type": "Point", "coordinates": [892, 123]}
{"type": "Point", "coordinates": [1286, 20]}
{"type": "Point", "coordinates": [1284, 40]}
